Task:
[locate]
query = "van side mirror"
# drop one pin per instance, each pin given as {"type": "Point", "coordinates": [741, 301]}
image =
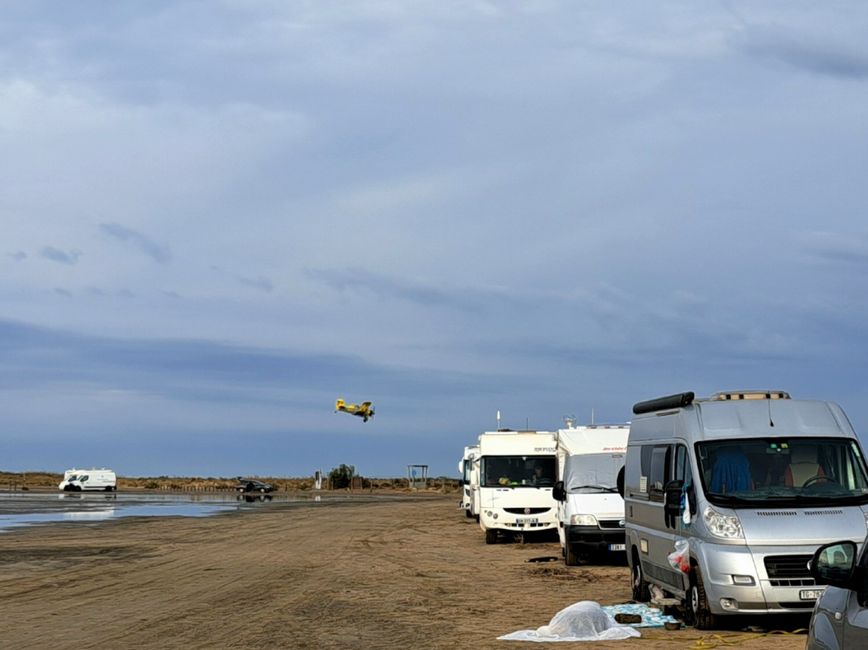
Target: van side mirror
{"type": "Point", "coordinates": [835, 564]}
{"type": "Point", "coordinates": [461, 482]}
{"type": "Point", "coordinates": [558, 492]}
{"type": "Point", "coordinates": [620, 482]}
{"type": "Point", "coordinates": [672, 502]}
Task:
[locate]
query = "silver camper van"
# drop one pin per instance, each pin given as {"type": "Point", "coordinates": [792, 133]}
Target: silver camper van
{"type": "Point", "coordinates": [727, 498]}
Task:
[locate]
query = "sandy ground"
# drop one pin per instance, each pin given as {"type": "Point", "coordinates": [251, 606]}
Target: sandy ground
{"type": "Point", "coordinates": [406, 574]}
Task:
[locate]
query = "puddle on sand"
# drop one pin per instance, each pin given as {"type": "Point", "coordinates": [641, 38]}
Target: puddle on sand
{"type": "Point", "coordinates": [26, 510]}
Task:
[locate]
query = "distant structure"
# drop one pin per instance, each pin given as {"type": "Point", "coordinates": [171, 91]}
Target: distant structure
{"type": "Point", "coordinates": [417, 476]}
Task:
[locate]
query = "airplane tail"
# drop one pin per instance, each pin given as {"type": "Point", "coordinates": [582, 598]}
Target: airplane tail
{"type": "Point", "coordinates": [339, 402]}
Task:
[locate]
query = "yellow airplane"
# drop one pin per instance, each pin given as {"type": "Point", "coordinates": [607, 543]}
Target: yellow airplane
{"type": "Point", "coordinates": [364, 410]}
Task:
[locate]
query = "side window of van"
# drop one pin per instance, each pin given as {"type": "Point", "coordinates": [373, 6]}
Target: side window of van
{"type": "Point", "coordinates": [655, 470]}
{"type": "Point", "coordinates": [682, 464]}
{"type": "Point", "coordinates": [658, 474]}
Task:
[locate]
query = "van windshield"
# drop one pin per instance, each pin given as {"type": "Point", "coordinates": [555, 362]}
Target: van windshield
{"type": "Point", "coordinates": [518, 471]}
{"type": "Point", "coordinates": [788, 471]}
{"type": "Point", "coordinates": [588, 473]}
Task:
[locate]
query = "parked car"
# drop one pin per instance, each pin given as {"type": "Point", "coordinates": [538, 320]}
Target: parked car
{"type": "Point", "coordinates": [252, 485]}
{"type": "Point", "coordinates": [840, 617]}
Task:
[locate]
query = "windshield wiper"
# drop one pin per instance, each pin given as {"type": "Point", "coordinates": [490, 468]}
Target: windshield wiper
{"type": "Point", "coordinates": [594, 487]}
{"type": "Point", "coordinates": [729, 498]}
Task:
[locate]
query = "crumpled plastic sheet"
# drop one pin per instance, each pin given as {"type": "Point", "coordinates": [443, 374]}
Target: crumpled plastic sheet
{"type": "Point", "coordinates": [582, 621]}
{"type": "Point", "coordinates": [651, 616]}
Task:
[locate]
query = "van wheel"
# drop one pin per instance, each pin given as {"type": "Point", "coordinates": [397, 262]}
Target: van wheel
{"type": "Point", "coordinates": [468, 514]}
{"type": "Point", "coordinates": [490, 536]}
{"type": "Point", "coordinates": [697, 603]}
{"type": "Point", "coordinates": [641, 593]}
{"type": "Point", "coordinates": [570, 556]}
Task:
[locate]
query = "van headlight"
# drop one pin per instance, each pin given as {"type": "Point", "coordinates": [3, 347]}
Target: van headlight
{"type": "Point", "coordinates": [583, 520]}
{"type": "Point", "coordinates": [720, 525]}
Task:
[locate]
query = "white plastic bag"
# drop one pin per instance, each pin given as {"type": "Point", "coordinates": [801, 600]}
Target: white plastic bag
{"type": "Point", "coordinates": [582, 621]}
{"type": "Point", "coordinates": [680, 557]}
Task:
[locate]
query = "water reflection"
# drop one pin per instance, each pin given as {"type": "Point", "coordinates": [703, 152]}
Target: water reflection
{"type": "Point", "coordinates": [252, 498]}
{"type": "Point", "coordinates": [26, 509]}
{"type": "Point", "coordinates": [89, 515]}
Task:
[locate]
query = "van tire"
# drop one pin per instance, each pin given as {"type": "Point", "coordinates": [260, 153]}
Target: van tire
{"type": "Point", "coordinates": [641, 593]}
{"type": "Point", "coordinates": [490, 536]}
{"type": "Point", "coordinates": [570, 556]}
{"type": "Point", "coordinates": [697, 603]}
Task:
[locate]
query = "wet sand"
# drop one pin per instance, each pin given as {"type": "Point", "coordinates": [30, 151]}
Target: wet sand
{"type": "Point", "coordinates": [381, 574]}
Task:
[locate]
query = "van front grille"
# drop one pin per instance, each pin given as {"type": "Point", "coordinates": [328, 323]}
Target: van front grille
{"type": "Point", "coordinates": [526, 511]}
{"type": "Point", "coordinates": [788, 569]}
{"type": "Point", "coordinates": [611, 523]}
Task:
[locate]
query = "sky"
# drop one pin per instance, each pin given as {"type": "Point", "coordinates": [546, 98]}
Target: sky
{"type": "Point", "coordinates": [218, 217]}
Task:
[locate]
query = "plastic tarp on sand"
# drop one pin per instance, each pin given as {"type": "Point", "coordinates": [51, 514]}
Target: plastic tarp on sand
{"type": "Point", "coordinates": [582, 621]}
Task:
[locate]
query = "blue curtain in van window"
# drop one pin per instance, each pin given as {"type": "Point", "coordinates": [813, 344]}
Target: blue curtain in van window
{"type": "Point", "coordinates": [731, 473]}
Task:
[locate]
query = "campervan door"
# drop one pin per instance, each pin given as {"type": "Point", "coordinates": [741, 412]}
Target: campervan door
{"type": "Point", "coordinates": [590, 509]}
{"type": "Point", "coordinates": [754, 483]}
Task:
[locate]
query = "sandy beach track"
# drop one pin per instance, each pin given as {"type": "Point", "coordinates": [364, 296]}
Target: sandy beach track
{"type": "Point", "coordinates": [385, 574]}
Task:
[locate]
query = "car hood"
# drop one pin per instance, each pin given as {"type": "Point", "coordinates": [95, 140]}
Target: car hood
{"type": "Point", "coordinates": [809, 525]}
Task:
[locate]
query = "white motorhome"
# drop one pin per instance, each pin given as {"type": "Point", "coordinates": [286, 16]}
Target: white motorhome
{"type": "Point", "coordinates": [728, 497]}
{"type": "Point", "coordinates": [590, 509]}
{"type": "Point", "coordinates": [78, 480]}
{"type": "Point", "coordinates": [516, 475]}
{"type": "Point", "coordinates": [469, 480]}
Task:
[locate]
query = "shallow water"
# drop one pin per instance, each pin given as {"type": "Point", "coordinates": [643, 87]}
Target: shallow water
{"type": "Point", "coordinates": [24, 509]}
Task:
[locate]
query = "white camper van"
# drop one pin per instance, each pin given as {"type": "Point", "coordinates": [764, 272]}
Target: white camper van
{"type": "Point", "coordinates": [590, 509]}
{"type": "Point", "coordinates": [78, 480]}
{"type": "Point", "coordinates": [727, 499]}
{"type": "Point", "coordinates": [516, 476]}
{"type": "Point", "coordinates": [469, 480]}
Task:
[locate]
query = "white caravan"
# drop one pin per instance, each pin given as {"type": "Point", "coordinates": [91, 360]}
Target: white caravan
{"type": "Point", "coordinates": [590, 510]}
{"type": "Point", "coordinates": [469, 481]}
{"type": "Point", "coordinates": [77, 480]}
{"type": "Point", "coordinates": [516, 475]}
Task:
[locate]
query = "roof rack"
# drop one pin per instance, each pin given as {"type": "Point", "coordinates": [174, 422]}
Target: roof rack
{"type": "Point", "coordinates": [676, 401]}
{"type": "Point", "coordinates": [748, 394]}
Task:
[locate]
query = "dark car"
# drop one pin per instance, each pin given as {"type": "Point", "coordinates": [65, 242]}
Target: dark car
{"type": "Point", "coordinates": [839, 619]}
{"type": "Point", "coordinates": [252, 485]}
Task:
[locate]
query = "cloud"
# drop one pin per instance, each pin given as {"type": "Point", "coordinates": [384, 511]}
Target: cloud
{"type": "Point", "coordinates": [409, 290]}
{"type": "Point", "coordinates": [158, 252]}
{"type": "Point", "coordinates": [261, 283]}
{"type": "Point", "coordinates": [828, 56]}
{"type": "Point", "coordinates": [18, 256]}
{"type": "Point", "coordinates": [62, 257]}
{"type": "Point", "coordinates": [190, 369]}
{"type": "Point", "coordinates": [836, 247]}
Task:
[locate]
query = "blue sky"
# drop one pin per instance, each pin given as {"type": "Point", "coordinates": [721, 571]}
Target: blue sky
{"type": "Point", "coordinates": [217, 217]}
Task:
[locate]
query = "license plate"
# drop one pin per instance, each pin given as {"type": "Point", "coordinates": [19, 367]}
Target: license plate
{"type": "Point", "coordinates": [527, 520]}
{"type": "Point", "coordinates": [617, 547]}
{"type": "Point", "coordinates": [810, 594]}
